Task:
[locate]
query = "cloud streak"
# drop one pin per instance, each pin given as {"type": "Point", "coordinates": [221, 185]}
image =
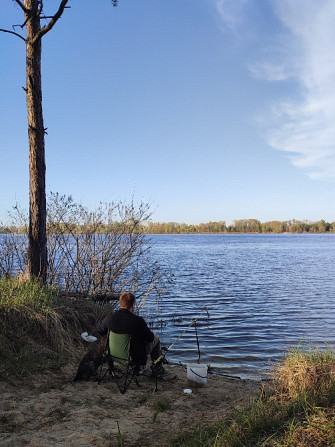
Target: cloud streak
{"type": "Point", "coordinates": [304, 125]}
{"type": "Point", "coordinates": [231, 12]}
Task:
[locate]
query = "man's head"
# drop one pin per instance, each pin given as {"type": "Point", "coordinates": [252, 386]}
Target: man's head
{"type": "Point", "coordinates": [127, 301]}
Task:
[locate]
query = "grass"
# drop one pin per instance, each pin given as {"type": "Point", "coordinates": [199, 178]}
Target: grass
{"type": "Point", "coordinates": [121, 441]}
{"type": "Point", "coordinates": [308, 376]}
{"type": "Point", "coordinates": [38, 330]}
{"type": "Point", "coordinates": [18, 293]}
{"type": "Point", "coordinates": [298, 410]}
{"type": "Point", "coordinates": [160, 405]}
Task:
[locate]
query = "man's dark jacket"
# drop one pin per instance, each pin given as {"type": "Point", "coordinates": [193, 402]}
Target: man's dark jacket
{"type": "Point", "coordinates": [124, 322]}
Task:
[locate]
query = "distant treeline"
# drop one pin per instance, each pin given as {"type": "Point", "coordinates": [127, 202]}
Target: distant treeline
{"type": "Point", "coordinates": [238, 226]}
{"type": "Point", "coordinates": [242, 226]}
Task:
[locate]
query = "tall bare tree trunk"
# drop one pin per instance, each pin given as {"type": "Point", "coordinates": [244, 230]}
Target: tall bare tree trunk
{"type": "Point", "coordinates": [37, 255]}
{"type": "Point", "coordinates": [34, 13]}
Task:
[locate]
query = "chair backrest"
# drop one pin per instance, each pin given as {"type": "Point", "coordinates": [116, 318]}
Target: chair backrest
{"type": "Point", "coordinates": [119, 347]}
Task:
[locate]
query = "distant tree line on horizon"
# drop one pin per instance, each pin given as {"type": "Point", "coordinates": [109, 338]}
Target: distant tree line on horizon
{"type": "Point", "coordinates": [238, 226]}
{"type": "Point", "coordinates": [242, 226]}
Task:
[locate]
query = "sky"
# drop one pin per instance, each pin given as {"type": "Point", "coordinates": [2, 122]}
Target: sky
{"type": "Point", "coordinates": [209, 110]}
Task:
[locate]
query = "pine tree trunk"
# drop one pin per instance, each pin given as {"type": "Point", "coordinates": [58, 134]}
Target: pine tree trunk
{"type": "Point", "coordinates": [37, 253]}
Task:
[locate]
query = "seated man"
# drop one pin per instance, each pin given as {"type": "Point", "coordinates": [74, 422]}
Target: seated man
{"type": "Point", "coordinates": [143, 340]}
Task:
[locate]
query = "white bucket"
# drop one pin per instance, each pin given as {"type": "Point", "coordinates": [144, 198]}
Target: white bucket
{"type": "Point", "coordinates": [197, 374]}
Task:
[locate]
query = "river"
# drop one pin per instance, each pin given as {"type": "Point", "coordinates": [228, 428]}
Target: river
{"type": "Point", "coordinates": [254, 297]}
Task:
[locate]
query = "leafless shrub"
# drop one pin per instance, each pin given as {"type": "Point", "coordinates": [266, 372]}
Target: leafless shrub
{"type": "Point", "coordinates": [91, 252]}
{"type": "Point", "coordinates": [14, 244]}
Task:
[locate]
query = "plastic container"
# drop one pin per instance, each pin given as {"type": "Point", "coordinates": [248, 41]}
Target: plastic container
{"type": "Point", "coordinates": [197, 374]}
{"type": "Point", "coordinates": [89, 338]}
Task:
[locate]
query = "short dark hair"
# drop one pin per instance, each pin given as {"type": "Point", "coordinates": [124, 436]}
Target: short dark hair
{"type": "Point", "coordinates": [127, 300]}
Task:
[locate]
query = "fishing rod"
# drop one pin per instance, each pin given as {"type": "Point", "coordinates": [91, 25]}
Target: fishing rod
{"type": "Point", "coordinates": [162, 357]}
{"type": "Point", "coordinates": [175, 341]}
{"type": "Point", "coordinates": [193, 322]}
{"type": "Point", "coordinates": [196, 335]}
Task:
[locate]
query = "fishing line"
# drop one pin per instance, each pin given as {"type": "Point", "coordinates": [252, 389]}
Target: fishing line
{"type": "Point", "coordinates": [193, 321]}
{"type": "Point", "coordinates": [175, 341]}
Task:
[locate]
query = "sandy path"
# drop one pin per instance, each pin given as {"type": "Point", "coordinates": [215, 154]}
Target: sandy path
{"type": "Point", "coordinates": [52, 411]}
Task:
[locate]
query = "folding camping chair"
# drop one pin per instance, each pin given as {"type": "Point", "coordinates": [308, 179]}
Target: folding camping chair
{"type": "Point", "coordinates": [118, 362]}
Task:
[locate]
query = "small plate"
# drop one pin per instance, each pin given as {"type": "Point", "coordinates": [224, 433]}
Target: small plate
{"type": "Point", "coordinates": [89, 338]}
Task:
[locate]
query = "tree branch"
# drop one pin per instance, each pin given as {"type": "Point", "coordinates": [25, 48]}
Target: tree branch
{"type": "Point", "coordinates": [52, 22]}
{"type": "Point", "coordinates": [23, 25]}
{"type": "Point", "coordinates": [41, 7]}
{"type": "Point", "coordinates": [21, 5]}
{"type": "Point", "coordinates": [13, 32]}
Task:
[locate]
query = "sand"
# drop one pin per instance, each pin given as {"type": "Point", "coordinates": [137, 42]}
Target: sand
{"type": "Point", "coordinates": [50, 410]}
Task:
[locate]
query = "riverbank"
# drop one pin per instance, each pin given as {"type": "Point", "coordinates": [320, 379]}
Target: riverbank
{"type": "Point", "coordinates": [52, 410]}
{"type": "Point", "coordinates": [40, 350]}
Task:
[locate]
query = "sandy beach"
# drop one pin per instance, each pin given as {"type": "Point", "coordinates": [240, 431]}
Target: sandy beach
{"type": "Point", "coordinates": [51, 410]}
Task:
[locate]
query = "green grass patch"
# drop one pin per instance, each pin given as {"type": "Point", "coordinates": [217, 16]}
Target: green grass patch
{"type": "Point", "coordinates": [38, 329]}
{"type": "Point", "coordinates": [160, 405]}
{"type": "Point", "coordinates": [19, 293]}
{"type": "Point", "coordinates": [297, 411]}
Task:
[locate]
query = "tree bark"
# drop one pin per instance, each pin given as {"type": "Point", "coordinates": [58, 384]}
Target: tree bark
{"type": "Point", "coordinates": [37, 254]}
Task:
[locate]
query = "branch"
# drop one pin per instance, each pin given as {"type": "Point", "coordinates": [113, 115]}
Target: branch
{"type": "Point", "coordinates": [52, 22]}
{"type": "Point", "coordinates": [13, 32]}
{"type": "Point", "coordinates": [21, 5]}
{"type": "Point", "coordinates": [40, 8]}
{"type": "Point", "coordinates": [23, 25]}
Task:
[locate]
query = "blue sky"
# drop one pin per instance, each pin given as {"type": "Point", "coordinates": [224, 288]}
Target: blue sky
{"type": "Point", "coordinates": [208, 109]}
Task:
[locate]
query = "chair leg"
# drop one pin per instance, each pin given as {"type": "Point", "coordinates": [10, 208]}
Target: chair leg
{"type": "Point", "coordinates": [126, 379]}
{"type": "Point", "coordinates": [136, 380]}
{"type": "Point", "coordinates": [156, 388]}
{"type": "Point", "coordinates": [108, 370]}
{"type": "Point", "coordinates": [122, 379]}
{"type": "Point", "coordinates": [101, 377]}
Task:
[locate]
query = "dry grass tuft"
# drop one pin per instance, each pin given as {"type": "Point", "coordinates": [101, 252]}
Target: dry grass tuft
{"type": "Point", "coordinates": [38, 330]}
{"type": "Point", "coordinates": [317, 431]}
{"type": "Point", "coordinates": [305, 373]}
{"type": "Point", "coordinates": [299, 410]}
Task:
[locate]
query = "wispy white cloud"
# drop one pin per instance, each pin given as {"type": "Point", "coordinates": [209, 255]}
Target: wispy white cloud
{"type": "Point", "coordinates": [271, 71]}
{"type": "Point", "coordinates": [303, 126]}
{"type": "Point", "coordinates": [231, 12]}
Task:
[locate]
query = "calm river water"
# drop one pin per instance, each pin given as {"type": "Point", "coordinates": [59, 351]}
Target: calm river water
{"type": "Point", "coordinates": [254, 296]}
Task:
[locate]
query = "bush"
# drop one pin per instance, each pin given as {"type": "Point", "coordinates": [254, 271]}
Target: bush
{"type": "Point", "coordinates": [89, 251]}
